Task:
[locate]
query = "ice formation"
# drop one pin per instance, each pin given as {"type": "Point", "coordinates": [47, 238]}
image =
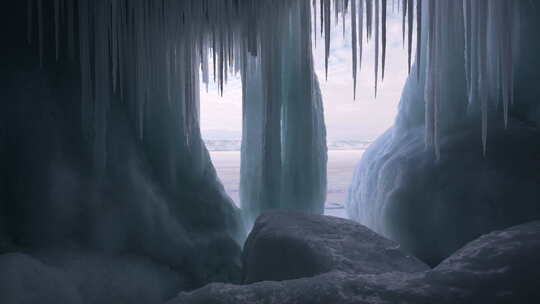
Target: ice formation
{"type": "Point", "coordinates": [146, 53]}
{"type": "Point", "coordinates": [283, 116]}
{"type": "Point", "coordinates": [490, 33]}
{"type": "Point", "coordinates": [415, 196]}
{"type": "Point", "coordinates": [122, 179]}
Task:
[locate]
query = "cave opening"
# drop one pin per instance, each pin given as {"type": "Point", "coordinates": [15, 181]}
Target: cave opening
{"type": "Point", "coordinates": [109, 195]}
{"type": "Point", "coordinates": [352, 120]}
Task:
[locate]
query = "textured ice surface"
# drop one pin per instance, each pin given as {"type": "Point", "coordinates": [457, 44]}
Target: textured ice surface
{"type": "Point", "coordinates": [433, 206]}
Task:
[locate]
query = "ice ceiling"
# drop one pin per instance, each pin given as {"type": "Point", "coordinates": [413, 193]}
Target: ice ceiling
{"type": "Point", "coordinates": [145, 48]}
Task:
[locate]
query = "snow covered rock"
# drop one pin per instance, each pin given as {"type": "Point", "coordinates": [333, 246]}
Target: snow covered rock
{"type": "Point", "coordinates": [288, 245]}
{"type": "Point", "coordinates": [500, 267]}
{"type": "Point", "coordinates": [75, 277]}
{"type": "Point", "coordinates": [24, 279]}
{"type": "Point", "coordinates": [333, 287]}
{"type": "Point", "coordinates": [503, 266]}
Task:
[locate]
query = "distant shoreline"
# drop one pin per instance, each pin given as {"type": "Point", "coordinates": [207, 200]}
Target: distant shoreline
{"type": "Point", "coordinates": [221, 145]}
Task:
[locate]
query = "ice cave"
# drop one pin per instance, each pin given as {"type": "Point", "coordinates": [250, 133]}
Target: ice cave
{"type": "Point", "coordinates": [108, 193]}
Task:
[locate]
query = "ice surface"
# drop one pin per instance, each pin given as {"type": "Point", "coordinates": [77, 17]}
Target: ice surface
{"type": "Point", "coordinates": [433, 203]}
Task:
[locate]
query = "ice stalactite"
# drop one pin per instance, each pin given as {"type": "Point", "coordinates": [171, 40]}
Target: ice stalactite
{"type": "Point", "coordinates": [30, 21]}
{"type": "Point", "coordinates": [303, 174]}
{"type": "Point", "coordinates": [56, 28]}
{"type": "Point", "coordinates": [354, 45]}
{"type": "Point", "coordinates": [484, 26]}
{"type": "Point", "coordinates": [410, 18]}
{"type": "Point", "coordinates": [369, 18]}
{"type": "Point", "coordinates": [377, 17]}
{"type": "Point", "coordinates": [252, 135]}
{"type": "Point", "coordinates": [148, 54]}
{"type": "Point", "coordinates": [283, 117]}
{"type": "Point", "coordinates": [418, 37]}
{"type": "Point", "coordinates": [326, 34]}
{"type": "Point", "coordinates": [490, 28]}
{"type": "Point", "coordinates": [383, 15]}
{"type": "Point", "coordinates": [40, 29]}
{"type": "Point", "coordinates": [404, 16]}
{"type": "Point", "coordinates": [360, 32]}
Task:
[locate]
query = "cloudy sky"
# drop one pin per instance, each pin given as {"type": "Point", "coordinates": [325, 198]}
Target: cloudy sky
{"type": "Point", "coordinates": [362, 119]}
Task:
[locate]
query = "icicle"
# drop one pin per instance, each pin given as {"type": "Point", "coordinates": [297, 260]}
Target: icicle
{"type": "Point", "coordinates": [84, 45]}
{"type": "Point", "coordinates": [468, 43]}
{"type": "Point", "coordinates": [369, 18]}
{"type": "Point", "coordinates": [40, 30]}
{"type": "Point", "coordinates": [360, 32]}
{"type": "Point", "coordinates": [429, 86]}
{"type": "Point", "coordinates": [377, 17]}
{"type": "Point", "coordinates": [71, 29]}
{"type": "Point", "coordinates": [322, 16]}
{"type": "Point", "coordinates": [418, 36]}
{"type": "Point", "coordinates": [114, 43]}
{"type": "Point", "coordinates": [384, 6]}
{"type": "Point", "coordinates": [29, 21]}
{"type": "Point", "coordinates": [343, 14]}
{"type": "Point", "coordinates": [101, 91]}
{"type": "Point", "coordinates": [315, 22]}
{"type": "Point", "coordinates": [410, 31]}
{"type": "Point", "coordinates": [354, 44]}
{"type": "Point", "coordinates": [142, 38]}
{"type": "Point", "coordinates": [482, 63]}
{"type": "Point", "coordinates": [56, 27]}
{"type": "Point", "coordinates": [326, 35]}
{"type": "Point", "coordinates": [404, 11]}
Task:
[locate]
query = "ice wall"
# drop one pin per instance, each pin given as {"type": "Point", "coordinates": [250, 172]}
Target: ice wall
{"type": "Point", "coordinates": [106, 183]}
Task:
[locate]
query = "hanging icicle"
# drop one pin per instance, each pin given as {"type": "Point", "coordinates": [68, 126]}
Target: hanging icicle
{"type": "Point", "coordinates": [410, 15]}
{"type": "Point", "coordinates": [383, 13]}
{"type": "Point", "coordinates": [40, 30]}
{"type": "Point", "coordinates": [144, 38]}
{"type": "Point", "coordinates": [377, 17]}
{"type": "Point", "coordinates": [354, 44]}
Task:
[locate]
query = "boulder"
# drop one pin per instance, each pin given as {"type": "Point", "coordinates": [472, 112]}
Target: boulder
{"type": "Point", "coordinates": [503, 266]}
{"type": "Point", "coordinates": [500, 267]}
{"type": "Point", "coordinates": [288, 245]}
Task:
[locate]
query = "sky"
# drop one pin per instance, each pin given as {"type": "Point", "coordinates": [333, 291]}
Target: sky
{"type": "Point", "coordinates": [346, 119]}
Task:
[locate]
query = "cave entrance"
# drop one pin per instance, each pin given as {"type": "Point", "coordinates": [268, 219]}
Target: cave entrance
{"type": "Point", "coordinates": [352, 124]}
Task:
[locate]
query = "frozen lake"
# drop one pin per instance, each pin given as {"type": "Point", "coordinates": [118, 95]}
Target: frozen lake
{"type": "Point", "coordinates": [341, 165]}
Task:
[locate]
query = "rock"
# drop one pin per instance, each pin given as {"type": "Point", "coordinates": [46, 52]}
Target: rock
{"type": "Point", "coordinates": [287, 245]}
{"type": "Point", "coordinates": [333, 287]}
{"type": "Point", "coordinates": [501, 267]}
